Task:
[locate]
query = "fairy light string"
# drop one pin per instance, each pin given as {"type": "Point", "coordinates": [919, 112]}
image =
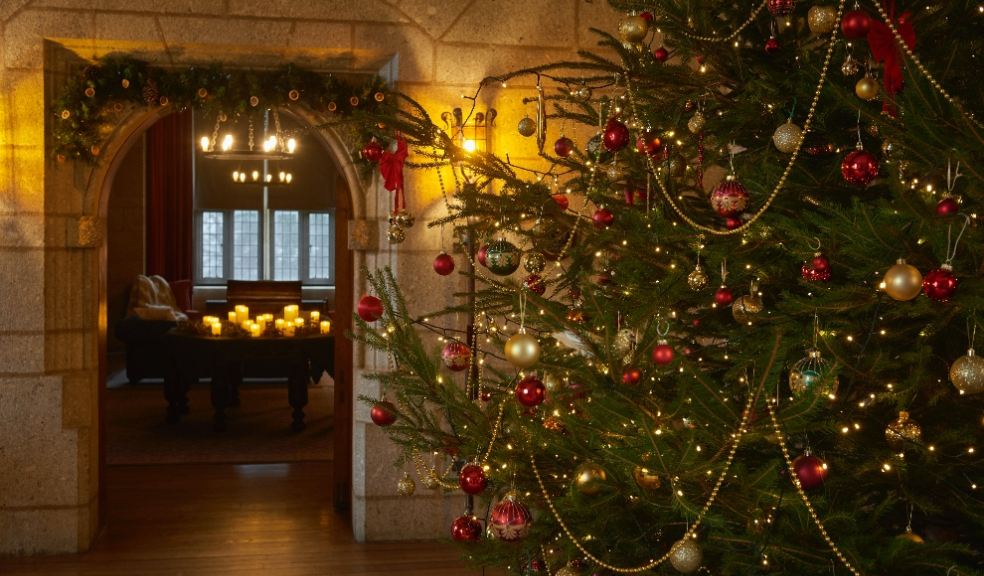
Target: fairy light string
{"type": "Point", "coordinates": [780, 184]}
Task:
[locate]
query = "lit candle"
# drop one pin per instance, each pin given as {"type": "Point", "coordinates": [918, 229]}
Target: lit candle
{"type": "Point", "coordinates": [246, 324]}
{"type": "Point", "coordinates": [242, 313]}
{"type": "Point", "coordinates": [289, 330]}
{"type": "Point", "coordinates": [325, 326]}
{"type": "Point", "coordinates": [217, 329]}
{"type": "Point", "coordinates": [299, 322]}
{"type": "Point", "coordinates": [290, 312]}
{"type": "Point", "coordinates": [232, 317]}
{"type": "Point", "coordinates": [279, 324]}
{"type": "Point", "coordinates": [262, 322]}
{"type": "Point", "coordinates": [315, 316]}
{"type": "Point", "coordinates": [254, 330]}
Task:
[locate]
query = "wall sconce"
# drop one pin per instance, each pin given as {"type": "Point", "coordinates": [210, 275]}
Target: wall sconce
{"type": "Point", "coordinates": [471, 134]}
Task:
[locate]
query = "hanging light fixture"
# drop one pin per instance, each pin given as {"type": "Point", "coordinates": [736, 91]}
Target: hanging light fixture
{"type": "Point", "coordinates": [279, 178]}
{"type": "Point", "coordinates": [277, 145]}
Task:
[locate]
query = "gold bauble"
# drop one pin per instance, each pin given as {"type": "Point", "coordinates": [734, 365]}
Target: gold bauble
{"type": "Point", "coordinates": [746, 308]}
{"type": "Point", "coordinates": [787, 137]}
{"type": "Point", "coordinates": [589, 478]}
{"type": "Point", "coordinates": [697, 280]}
{"type": "Point", "coordinates": [431, 482]}
{"type": "Point", "coordinates": [911, 537]}
{"type": "Point", "coordinates": [522, 350]}
{"type": "Point", "coordinates": [526, 127]}
{"type": "Point", "coordinates": [902, 281]}
{"type": "Point", "coordinates": [866, 88]}
{"type": "Point", "coordinates": [821, 19]}
{"type": "Point", "coordinates": [625, 341]}
{"type": "Point", "coordinates": [696, 123]}
{"type": "Point", "coordinates": [534, 262]}
{"type": "Point", "coordinates": [614, 172]}
{"type": "Point", "coordinates": [396, 234]}
{"type": "Point", "coordinates": [633, 29]}
{"type": "Point", "coordinates": [967, 373]}
{"type": "Point", "coordinates": [552, 382]}
{"type": "Point", "coordinates": [903, 432]}
{"type": "Point", "coordinates": [686, 555]}
{"type": "Point", "coordinates": [406, 485]}
{"type": "Point", "coordinates": [403, 219]}
{"type": "Point", "coordinates": [646, 478]}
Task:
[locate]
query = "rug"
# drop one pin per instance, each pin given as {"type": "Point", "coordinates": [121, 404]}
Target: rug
{"type": "Point", "coordinates": [258, 431]}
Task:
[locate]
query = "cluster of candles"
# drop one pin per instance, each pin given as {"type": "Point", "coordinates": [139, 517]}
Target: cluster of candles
{"type": "Point", "coordinates": [256, 327]}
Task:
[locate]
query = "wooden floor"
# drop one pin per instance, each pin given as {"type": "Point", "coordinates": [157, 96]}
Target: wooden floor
{"type": "Point", "coordinates": [218, 519]}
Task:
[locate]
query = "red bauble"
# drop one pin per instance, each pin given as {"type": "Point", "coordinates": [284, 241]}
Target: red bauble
{"type": "Point", "coordinates": [510, 519]}
{"type": "Point", "coordinates": [631, 376]}
{"type": "Point", "coordinates": [662, 353]}
{"type": "Point", "coordinates": [370, 308]}
{"type": "Point", "coordinates": [530, 391]}
{"type": "Point", "coordinates": [661, 54]}
{"type": "Point", "coordinates": [781, 7]}
{"type": "Point", "coordinates": [729, 198]}
{"type": "Point", "coordinates": [472, 479]}
{"type": "Point", "coordinates": [820, 262]}
{"type": "Point", "coordinates": [940, 284]}
{"type": "Point", "coordinates": [810, 470]}
{"type": "Point", "coordinates": [561, 201]}
{"type": "Point", "coordinates": [772, 45]}
{"type": "Point", "coordinates": [564, 146]}
{"type": "Point", "coordinates": [444, 264]}
{"type": "Point", "coordinates": [466, 529]}
{"type": "Point", "coordinates": [813, 274]}
{"type": "Point", "coordinates": [647, 16]}
{"type": "Point", "coordinates": [372, 151]}
{"type": "Point", "coordinates": [456, 355]}
{"type": "Point", "coordinates": [616, 135]}
{"type": "Point", "coordinates": [382, 413]}
{"type": "Point", "coordinates": [859, 167]}
{"type": "Point", "coordinates": [535, 284]}
{"type": "Point", "coordinates": [947, 206]}
{"type": "Point", "coordinates": [855, 24]}
{"type": "Point", "coordinates": [602, 218]}
{"type": "Point", "coordinates": [649, 143]}
{"type": "Point", "coordinates": [723, 296]}
{"type": "Point", "coordinates": [732, 222]}
{"type": "Point", "coordinates": [480, 255]}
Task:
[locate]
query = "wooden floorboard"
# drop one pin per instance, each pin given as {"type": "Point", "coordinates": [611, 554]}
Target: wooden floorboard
{"type": "Point", "coordinates": [237, 520]}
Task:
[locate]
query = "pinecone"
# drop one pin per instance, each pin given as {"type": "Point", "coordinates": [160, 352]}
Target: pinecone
{"type": "Point", "coordinates": [150, 92]}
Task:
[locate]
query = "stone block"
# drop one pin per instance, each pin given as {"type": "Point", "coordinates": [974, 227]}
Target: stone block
{"type": "Point", "coordinates": [416, 518]}
{"type": "Point", "coordinates": [22, 353]}
{"type": "Point", "coordinates": [66, 291]}
{"type": "Point", "coordinates": [433, 16]}
{"type": "Point", "coordinates": [598, 15]}
{"type": "Point", "coordinates": [128, 27]}
{"type": "Point", "coordinates": [24, 34]}
{"type": "Point", "coordinates": [40, 458]}
{"type": "Point", "coordinates": [151, 6]}
{"type": "Point", "coordinates": [546, 23]}
{"type": "Point", "coordinates": [363, 11]}
{"type": "Point", "coordinates": [376, 43]}
{"type": "Point", "coordinates": [224, 31]}
{"type": "Point", "coordinates": [24, 191]}
{"type": "Point", "coordinates": [24, 230]}
{"type": "Point", "coordinates": [469, 64]}
{"type": "Point", "coordinates": [22, 275]}
{"type": "Point", "coordinates": [27, 106]}
{"type": "Point", "coordinates": [65, 351]}
{"type": "Point", "coordinates": [44, 531]}
{"type": "Point", "coordinates": [80, 399]}
{"type": "Point", "coordinates": [327, 35]}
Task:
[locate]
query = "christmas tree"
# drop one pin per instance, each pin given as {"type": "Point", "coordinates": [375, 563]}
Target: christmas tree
{"type": "Point", "coordinates": [751, 275]}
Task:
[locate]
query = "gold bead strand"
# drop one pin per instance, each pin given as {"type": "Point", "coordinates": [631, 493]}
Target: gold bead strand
{"type": "Point", "coordinates": [751, 18]}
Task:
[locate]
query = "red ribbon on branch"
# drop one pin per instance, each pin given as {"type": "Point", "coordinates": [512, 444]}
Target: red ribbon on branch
{"type": "Point", "coordinates": [391, 167]}
{"type": "Point", "coordinates": [884, 50]}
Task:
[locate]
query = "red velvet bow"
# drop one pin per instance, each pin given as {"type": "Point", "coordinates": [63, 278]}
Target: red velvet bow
{"type": "Point", "coordinates": [884, 50]}
{"type": "Point", "coordinates": [391, 167]}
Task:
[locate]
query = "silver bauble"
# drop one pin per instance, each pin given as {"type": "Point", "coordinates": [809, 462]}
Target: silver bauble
{"type": "Point", "coordinates": [686, 555]}
{"type": "Point", "coordinates": [850, 67]}
{"type": "Point", "coordinates": [967, 373]}
{"type": "Point", "coordinates": [746, 308]}
{"type": "Point", "coordinates": [809, 376]}
{"type": "Point", "coordinates": [404, 219]}
{"type": "Point", "coordinates": [534, 262]}
{"type": "Point", "coordinates": [787, 137]}
{"type": "Point", "coordinates": [696, 123]}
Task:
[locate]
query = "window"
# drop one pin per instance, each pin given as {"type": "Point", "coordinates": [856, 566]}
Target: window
{"type": "Point", "coordinates": [257, 232]}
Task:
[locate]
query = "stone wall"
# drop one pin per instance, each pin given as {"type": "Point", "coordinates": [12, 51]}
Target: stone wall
{"type": "Point", "coordinates": [52, 231]}
{"type": "Point", "coordinates": [125, 238]}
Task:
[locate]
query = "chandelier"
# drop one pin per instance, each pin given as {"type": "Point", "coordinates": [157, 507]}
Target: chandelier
{"type": "Point", "coordinates": [280, 178]}
{"type": "Point", "coordinates": [275, 145]}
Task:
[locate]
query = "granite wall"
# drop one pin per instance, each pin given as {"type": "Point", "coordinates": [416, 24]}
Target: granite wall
{"type": "Point", "coordinates": [52, 215]}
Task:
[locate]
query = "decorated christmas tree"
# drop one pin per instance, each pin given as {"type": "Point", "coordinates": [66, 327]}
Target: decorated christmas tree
{"type": "Point", "coordinates": [727, 323]}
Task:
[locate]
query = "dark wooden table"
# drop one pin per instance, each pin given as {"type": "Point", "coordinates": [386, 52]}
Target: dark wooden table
{"type": "Point", "coordinates": [191, 356]}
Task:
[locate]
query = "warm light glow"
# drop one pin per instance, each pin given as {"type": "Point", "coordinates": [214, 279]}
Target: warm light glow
{"type": "Point", "coordinates": [206, 143]}
{"type": "Point", "coordinates": [291, 145]}
{"type": "Point", "coordinates": [255, 175]}
{"type": "Point", "coordinates": [469, 146]}
{"type": "Point", "coordinates": [227, 142]}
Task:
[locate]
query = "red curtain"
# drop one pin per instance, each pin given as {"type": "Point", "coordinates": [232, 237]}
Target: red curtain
{"type": "Point", "coordinates": [170, 189]}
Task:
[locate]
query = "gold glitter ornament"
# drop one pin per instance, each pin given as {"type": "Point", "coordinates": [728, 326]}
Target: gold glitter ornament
{"type": "Point", "coordinates": [686, 555]}
{"type": "Point", "coordinates": [787, 137]}
{"type": "Point", "coordinates": [589, 478]}
{"type": "Point", "coordinates": [696, 123]}
{"type": "Point", "coordinates": [746, 308]}
{"type": "Point", "coordinates": [967, 373]}
{"type": "Point", "coordinates": [646, 478]}
{"type": "Point", "coordinates": [625, 340]}
{"type": "Point", "coordinates": [567, 571]}
{"type": "Point", "coordinates": [633, 28]}
{"type": "Point", "coordinates": [903, 432]}
{"type": "Point", "coordinates": [534, 262]}
{"type": "Point", "coordinates": [406, 486]}
{"type": "Point", "coordinates": [396, 234]}
{"type": "Point", "coordinates": [850, 67]}
{"type": "Point", "coordinates": [902, 281]}
{"type": "Point", "coordinates": [526, 127]}
{"type": "Point", "coordinates": [911, 537]}
{"type": "Point", "coordinates": [821, 19]}
{"type": "Point", "coordinates": [697, 280]}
